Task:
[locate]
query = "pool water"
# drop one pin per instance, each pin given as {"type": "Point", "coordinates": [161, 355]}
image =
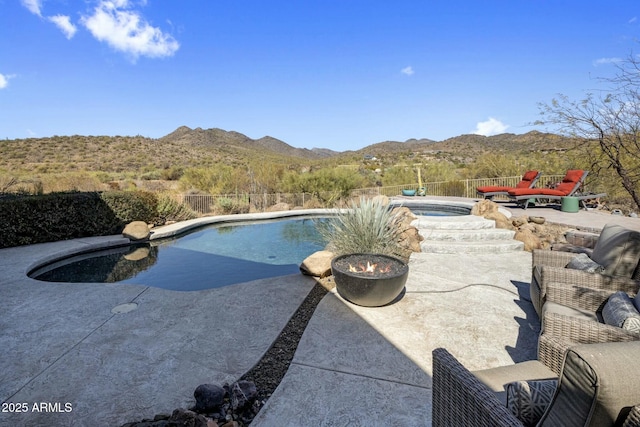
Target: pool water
{"type": "Point", "coordinates": [432, 209]}
{"type": "Point", "coordinates": [212, 257]}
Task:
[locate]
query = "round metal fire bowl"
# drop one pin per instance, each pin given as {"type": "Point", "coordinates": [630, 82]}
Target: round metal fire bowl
{"type": "Point", "coordinates": [366, 289]}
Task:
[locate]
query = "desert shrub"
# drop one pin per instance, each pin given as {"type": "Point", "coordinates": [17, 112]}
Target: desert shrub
{"type": "Point", "coordinates": [219, 179]}
{"type": "Point", "coordinates": [399, 175]}
{"type": "Point", "coordinates": [70, 182]}
{"type": "Point", "coordinates": [169, 209]}
{"type": "Point", "coordinates": [172, 173]}
{"type": "Point", "coordinates": [151, 175]}
{"type": "Point", "coordinates": [367, 227]}
{"type": "Point", "coordinates": [228, 205]}
{"type": "Point", "coordinates": [452, 188]}
{"type": "Point", "coordinates": [327, 185]}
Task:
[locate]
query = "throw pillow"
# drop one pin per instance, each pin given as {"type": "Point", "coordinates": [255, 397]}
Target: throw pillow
{"type": "Point", "coordinates": [528, 400]}
{"type": "Point", "coordinates": [619, 311]}
{"type": "Point", "coordinates": [584, 263]}
{"type": "Point", "coordinates": [633, 419]}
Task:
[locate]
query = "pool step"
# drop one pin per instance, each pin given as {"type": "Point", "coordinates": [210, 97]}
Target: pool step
{"type": "Point", "coordinates": [480, 235]}
{"type": "Point", "coordinates": [486, 247]}
{"type": "Point", "coordinates": [464, 235]}
{"type": "Point", "coordinates": [462, 222]}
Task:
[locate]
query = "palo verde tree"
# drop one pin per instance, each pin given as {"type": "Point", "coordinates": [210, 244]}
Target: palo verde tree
{"type": "Point", "coordinates": [608, 120]}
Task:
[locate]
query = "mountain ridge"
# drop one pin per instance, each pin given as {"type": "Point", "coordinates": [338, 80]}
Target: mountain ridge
{"type": "Point", "coordinates": [186, 147]}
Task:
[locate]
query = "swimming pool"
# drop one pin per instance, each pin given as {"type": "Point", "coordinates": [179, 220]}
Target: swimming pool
{"type": "Point", "coordinates": [211, 257]}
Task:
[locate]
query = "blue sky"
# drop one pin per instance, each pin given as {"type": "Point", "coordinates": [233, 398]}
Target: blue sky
{"type": "Point", "coordinates": [339, 74]}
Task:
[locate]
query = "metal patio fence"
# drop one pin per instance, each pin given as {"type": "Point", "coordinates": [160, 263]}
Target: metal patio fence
{"type": "Point", "coordinates": [247, 202]}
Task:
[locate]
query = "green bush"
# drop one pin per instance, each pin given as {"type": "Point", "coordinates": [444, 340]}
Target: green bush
{"type": "Point", "coordinates": [132, 205]}
{"type": "Point", "coordinates": [26, 220]}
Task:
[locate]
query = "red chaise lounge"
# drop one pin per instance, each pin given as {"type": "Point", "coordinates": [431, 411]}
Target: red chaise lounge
{"type": "Point", "coordinates": [529, 179]}
{"type": "Point", "coordinates": [568, 187]}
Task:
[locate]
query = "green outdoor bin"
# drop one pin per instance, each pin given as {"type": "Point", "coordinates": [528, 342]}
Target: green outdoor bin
{"type": "Point", "coordinates": [570, 204]}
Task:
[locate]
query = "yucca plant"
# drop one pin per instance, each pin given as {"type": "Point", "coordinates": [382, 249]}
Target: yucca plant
{"type": "Point", "coordinates": [366, 227]}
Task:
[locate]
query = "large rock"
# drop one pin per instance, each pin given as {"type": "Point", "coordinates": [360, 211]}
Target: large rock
{"type": "Point", "coordinates": [136, 230]}
{"type": "Point", "coordinates": [530, 240]}
{"type": "Point", "coordinates": [242, 394]}
{"type": "Point", "coordinates": [409, 238]}
{"type": "Point", "coordinates": [490, 210]}
{"type": "Point", "coordinates": [317, 264]}
{"type": "Point", "coordinates": [208, 397]}
{"type": "Point", "coordinates": [484, 207]}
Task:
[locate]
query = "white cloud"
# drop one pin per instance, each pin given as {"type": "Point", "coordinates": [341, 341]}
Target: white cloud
{"type": "Point", "coordinates": [4, 80]}
{"type": "Point", "coordinates": [407, 70]}
{"type": "Point", "coordinates": [490, 127]}
{"type": "Point", "coordinates": [604, 61]}
{"type": "Point", "coordinates": [34, 6]}
{"type": "Point", "coordinates": [633, 20]}
{"type": "Point", "coordinates": [125, 30]}
{"type": "Point", "coordinates": [64, 24]}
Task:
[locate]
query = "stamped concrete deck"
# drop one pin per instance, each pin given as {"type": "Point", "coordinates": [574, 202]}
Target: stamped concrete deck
{"type": "Point", "coordinates": [69, 343]}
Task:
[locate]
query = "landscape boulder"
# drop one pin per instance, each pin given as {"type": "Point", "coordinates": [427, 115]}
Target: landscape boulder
{"type": "Point", "coordinates": [533, 231]}
{"type": "Point", "coordinates": [243, 393]}
{"type": "Point", "coordinates": [530, 240]}
{"type": "Point", "coordinates": [136, 230]}
{"type": "Point", "coordinates": [490, 210]}
{"type": "Point", "coordinates": [318, 264]}
{"type": "Point", "coordinates": [208, 397]}
{"type": "Point", "coordinates": [410, 237]}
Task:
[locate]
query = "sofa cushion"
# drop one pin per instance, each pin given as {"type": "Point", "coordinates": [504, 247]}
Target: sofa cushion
{"type": "Point", "coordinates": [496, 379]}
{"type": "Point", "coordinates": [554, 307]}
{"type": "Point", "coordinates": [619, 311]}
{"type": "Point", "coordinates": [528, 400]}
{"type": "Point", "coordinates": [584, 263]}
{"type": "Point", "coordinates": [618, 250]}
{"type": "Point", "coordinates": [598, 385]}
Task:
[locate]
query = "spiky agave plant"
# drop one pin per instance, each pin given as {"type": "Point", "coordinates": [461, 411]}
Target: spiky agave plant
{"type": "Point", "coordinates": [366, 227]}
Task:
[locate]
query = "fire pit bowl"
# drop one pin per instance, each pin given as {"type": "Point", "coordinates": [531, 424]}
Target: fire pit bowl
{"type": "Point", "coordinates": [370, 280]}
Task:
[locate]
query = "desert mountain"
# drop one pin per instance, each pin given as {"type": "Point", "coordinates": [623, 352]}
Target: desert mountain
{"type": "Point", "coordinates": [216, 138]}
{"type": "Point", "coordinates": [198, 147]}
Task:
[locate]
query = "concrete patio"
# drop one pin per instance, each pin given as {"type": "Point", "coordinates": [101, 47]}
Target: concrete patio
{"type": "Point", "coordinates": [78, 344]}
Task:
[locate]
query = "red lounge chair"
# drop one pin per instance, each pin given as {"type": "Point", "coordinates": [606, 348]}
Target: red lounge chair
{"type": "Point", "coordinates": [569, 185]}
{"type": "Point", "coordinates": [529, 179]}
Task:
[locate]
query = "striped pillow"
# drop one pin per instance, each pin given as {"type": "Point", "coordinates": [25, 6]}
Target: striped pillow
{"type": "Point", "coordinates": [619, 311]}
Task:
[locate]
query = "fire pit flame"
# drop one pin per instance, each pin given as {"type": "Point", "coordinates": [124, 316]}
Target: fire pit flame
{"type": "Point", "coordinates": [369, 268]}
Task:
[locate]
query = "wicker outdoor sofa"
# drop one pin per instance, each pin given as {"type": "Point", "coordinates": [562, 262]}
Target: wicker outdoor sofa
{"type": "Point", "coordinates": [617, 250]}
{"type": "Point", "coordinates": [599, 386]}
{"type": "Point", "coordinates": [572, 315]}
{"type": "Point", "coordinates": [595, 361]}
